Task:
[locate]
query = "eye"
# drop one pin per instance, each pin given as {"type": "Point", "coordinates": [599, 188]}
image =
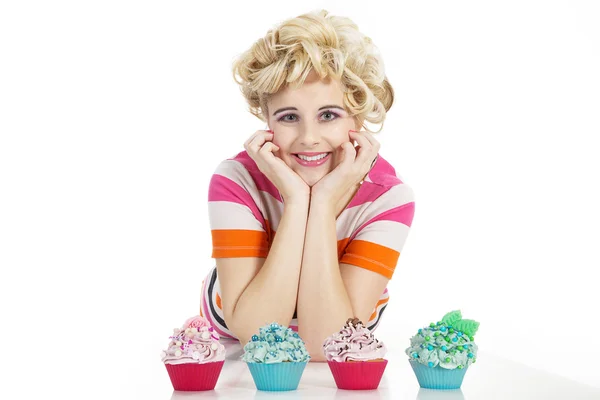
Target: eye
{"type": "Point", "coordinates": [283, 118]}
{"type": "Point", "coordinates": [330, 113]}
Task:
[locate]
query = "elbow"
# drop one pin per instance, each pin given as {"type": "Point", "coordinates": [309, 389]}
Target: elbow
{"type": "Point", "coordinates": [238, 330]}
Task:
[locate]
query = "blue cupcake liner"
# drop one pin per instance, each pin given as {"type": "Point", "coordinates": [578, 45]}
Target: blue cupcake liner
{"type": "Point", "coordinates": [438, 377]}
{"type": "Point", "coordinates": [277, 377]}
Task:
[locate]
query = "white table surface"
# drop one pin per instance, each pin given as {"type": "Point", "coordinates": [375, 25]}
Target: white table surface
{"type": "Point", "coordinates": [490, 377]}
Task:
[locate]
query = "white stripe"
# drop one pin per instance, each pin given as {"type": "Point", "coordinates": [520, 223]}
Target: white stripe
{"type": "Point", "coordinates": [350, 220]}
{"type": "Point", "coordinates": [228, 215]}
{"type": "Point", "coordinates": [397, 196]}
{"type": "Point", "coordinates": [274, 209]}
{"type": "Point", "coordinates": [353, 218]}
{"type": "Point", "coordinates": [390, 234]}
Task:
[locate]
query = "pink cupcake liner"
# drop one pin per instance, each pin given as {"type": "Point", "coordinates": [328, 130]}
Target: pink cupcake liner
{"type": "Point", "coordinates": [358, 375]}
{"type": "Point", "coordinates": [194, 377]}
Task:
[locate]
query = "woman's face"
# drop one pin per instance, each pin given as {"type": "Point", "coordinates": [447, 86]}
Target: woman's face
{"type": "Point", "coordinates": [310, 119]}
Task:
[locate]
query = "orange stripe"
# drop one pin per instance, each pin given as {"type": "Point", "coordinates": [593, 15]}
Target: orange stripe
{"type": "Point", "coordinates": [371, 256]}
{"type": "Point", "coordinates": [341, 246]}
{"type": "Point", "coordinates": [380, 302]}
{"type": "Point", "coordinates": [239, 243]}
{"type": "Point", "coordinates": [219, 301]}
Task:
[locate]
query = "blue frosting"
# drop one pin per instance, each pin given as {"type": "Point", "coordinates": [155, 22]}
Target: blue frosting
{"type": "Point", "coordinates": [275, 343]}
{"type": "Point", "coordinates": [440, 345]}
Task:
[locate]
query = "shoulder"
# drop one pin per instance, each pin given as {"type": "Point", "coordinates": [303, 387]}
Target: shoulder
{"type": "Point", "coordinates": [384, 188]}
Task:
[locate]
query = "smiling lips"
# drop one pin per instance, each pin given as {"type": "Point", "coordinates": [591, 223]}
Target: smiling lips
{"type": "Point", "coordinates": [311, 159]}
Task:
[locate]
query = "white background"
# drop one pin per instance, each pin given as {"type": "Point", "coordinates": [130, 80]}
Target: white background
{"type": "Point", "coordinates": [114, 114]}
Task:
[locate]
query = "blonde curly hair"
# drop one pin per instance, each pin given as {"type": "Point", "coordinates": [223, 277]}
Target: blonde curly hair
{"type": "Point", "coordinates": [332, 46]}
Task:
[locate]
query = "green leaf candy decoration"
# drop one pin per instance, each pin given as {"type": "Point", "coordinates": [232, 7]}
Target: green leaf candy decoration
{"type": "Point", "coordinates": [452, 317]}
{"type": "Point", "coordinates": [466, 326]}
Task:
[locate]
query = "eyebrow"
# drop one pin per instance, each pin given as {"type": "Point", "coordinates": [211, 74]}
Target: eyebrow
{"type": "Point", "coordinates": [294, 108]}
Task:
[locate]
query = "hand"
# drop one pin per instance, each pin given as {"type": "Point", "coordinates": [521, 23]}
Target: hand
{"type": "Point", "coordinates": [355, 165]}
{"type": "Point", "coordinates": [261, 149]}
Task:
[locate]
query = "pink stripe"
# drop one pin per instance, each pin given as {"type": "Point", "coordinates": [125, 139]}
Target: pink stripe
{"type": "Point", "coordinates": [262, 182]}
{"type": "Point", "coordinates": [403, 214]}
{"type": "Point", "coordinates": [384, 173]}
{"type": "Point", "coordinates": [222, 188]}
{"type": "Point", "coordinates": [367, 192]}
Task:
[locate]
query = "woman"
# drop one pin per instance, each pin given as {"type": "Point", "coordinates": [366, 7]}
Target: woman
{"type": "Point", "coordinates": [307, 228]}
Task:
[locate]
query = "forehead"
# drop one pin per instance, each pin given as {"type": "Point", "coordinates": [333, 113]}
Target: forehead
{"type": "Point", "coordinates": [313, 93]}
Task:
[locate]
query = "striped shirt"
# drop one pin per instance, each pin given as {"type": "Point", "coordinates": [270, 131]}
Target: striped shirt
{"type": "Point", "coordinates": [245, 209]}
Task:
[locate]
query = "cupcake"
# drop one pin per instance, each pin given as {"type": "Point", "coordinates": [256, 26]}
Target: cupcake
{"type": "Point", "coordinates": [195, 357]}
{"type": "Point", "coordinates": [355, 357]}
{"type": "Point", "coordinates": [276, 358]}
{"type": "Point", "coordinates": [441, 353]}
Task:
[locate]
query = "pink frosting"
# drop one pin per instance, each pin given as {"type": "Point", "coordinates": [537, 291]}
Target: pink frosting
{"type": "Point", "coordinates": [193, 345]}
{"type": "Point", "coordinates": [199, 322]}
{"type": "Point", "coordinates": [354, 342]}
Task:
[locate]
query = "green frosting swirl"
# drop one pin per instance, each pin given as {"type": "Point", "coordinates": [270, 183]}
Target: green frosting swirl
{"type": "Point", "coordinates": [448, 344]}
{"type": "Point", "coordinates": [275, 343]}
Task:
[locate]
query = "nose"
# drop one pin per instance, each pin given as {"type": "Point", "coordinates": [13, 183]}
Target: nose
{"type": "Point", "coordinates": [310, 136]}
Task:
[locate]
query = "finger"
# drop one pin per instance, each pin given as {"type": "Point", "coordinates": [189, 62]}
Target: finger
{"type": "Point", "coordinates": [374, 142]}
{"type": "Point", "coordinates": [269, 133]}
{"type": "Point", "coordinates": [364, 149]}
{"type": "Point", "coordinates": [259, 140]}
{"type": "Point", "coordinates": [349, 154]}
{"type": "Point", "coordinates": [269, 147]}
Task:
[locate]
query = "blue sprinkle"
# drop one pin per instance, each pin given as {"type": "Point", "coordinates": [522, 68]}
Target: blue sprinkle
{"type": "Point", "coordinates": [296, 335]}
{"type": "Point", "coordinates": [422, 346]}
{"type": "Point", "coordinates": [254, 338]}
{"type": "Point", "coordinates": [430, 364]}
{"type": "Point", "coordinates": [444, 348]}
{"type": "Point", "coordinates": [449, 326]}
{"type": "Point", "coordinates": [420, 330]}
{"type": "Point", "coordinates": [470, 355]}
{"type": "Point", "coordinates": [443, 329]}
{"type": "Point", "coordinates": [430, 347]}
{"type": "Point", "coordinates": [459, 333]}
{"type": "Point", "coordinates": [465, 346]}
{"type": "Point", "coordinates": [415, 355]}
{"type": "Point", "coordinates": [454, 339]}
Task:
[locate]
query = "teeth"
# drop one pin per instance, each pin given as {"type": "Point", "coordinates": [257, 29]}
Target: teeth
{"type": "Point", "coordinates": [313, 158]}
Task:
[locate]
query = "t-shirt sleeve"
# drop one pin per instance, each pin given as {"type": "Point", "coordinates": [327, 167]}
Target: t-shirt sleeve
{"type": "Point", "coordinates": [377, 243]}
{"type": "Point", "coordinates": [238, 228]}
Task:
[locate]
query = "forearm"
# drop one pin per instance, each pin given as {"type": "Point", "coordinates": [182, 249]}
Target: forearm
{"type": "Point", "coordinates": [323, 303]}
{"type": "Point", "coordinates": [272, 295]}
